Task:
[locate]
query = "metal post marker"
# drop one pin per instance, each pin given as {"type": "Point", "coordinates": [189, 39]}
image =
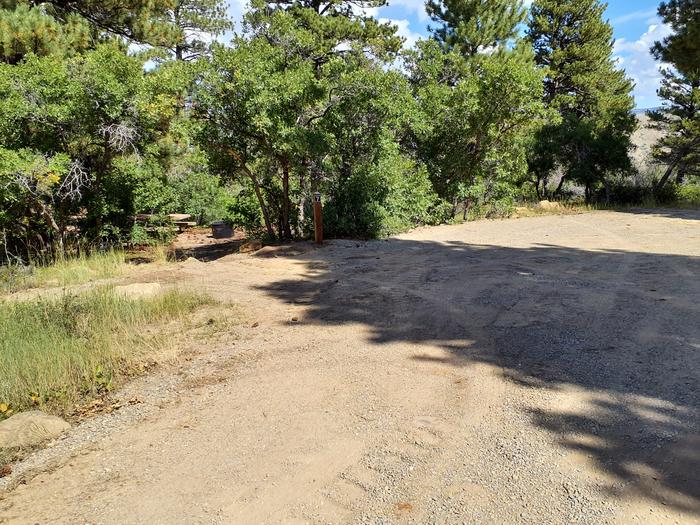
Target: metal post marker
{"type": "Point", "coordinates": [318, 218]}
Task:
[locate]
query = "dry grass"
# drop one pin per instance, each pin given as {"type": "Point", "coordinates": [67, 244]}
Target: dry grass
{"type": "Point", "coordinates": [57, 351]}
{"type": "Point", "coordinates": [77, 269]}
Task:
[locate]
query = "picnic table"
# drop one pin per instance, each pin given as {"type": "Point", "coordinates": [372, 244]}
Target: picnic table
{"type": "Point", "coordinates": [181, 220]}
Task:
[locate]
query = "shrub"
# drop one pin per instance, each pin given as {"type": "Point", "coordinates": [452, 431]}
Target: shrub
{"type": "Point", "coordinates": [243, 211]}
{"type": "Point", "coordinates": [392, 195]}
{"type": "Point", "coordinates": [688, 194]}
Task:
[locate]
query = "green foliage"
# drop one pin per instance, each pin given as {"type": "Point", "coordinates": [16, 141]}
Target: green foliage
{"type": "Point", "coordinates": [27, 29]}
{"type": "Point", "coordinates": [91, 111]}
{"type": "Point", "coordinates": [682, 47]}
{"type": "Point", "coordinates": [688, 194]}
{"type": "Point", "coordinates": [57, 27]}
{"type": "Point", "coordinates": [384, 197]}
{"type": "Point", "coordinates": [679, 116]}
{"type": "Point", "coordinates": [193, 19]}
{"type": "Point", "coordinates": [475, 117]}
{"type": "Point", "coordinates": [243, 211]}
{"type": "Point", "coordinates": [267, 102]}
{"type": "Point", "coordinates": [471, 26]}
{"type": "Point", "coordinates": [590, 139]}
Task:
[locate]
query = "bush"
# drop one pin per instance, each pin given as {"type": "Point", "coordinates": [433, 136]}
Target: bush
{"type": "Point", "coordinates": [688, 194]}
{"type": "Point", "coordinates": [200, 194]}
{"type": "Point", "coordinates": [243, 211]}
{"type": "Point", "coordinates": [490, 199]}
{"type": "Point", "coordinates": [393, 195]}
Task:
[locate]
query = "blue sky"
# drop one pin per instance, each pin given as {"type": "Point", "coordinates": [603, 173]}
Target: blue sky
{"type": "Point", "coordinates": [635, 24]}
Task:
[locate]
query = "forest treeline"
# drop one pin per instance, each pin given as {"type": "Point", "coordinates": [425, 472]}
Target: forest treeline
{"type": "Point", "coordinates": [114, 108]}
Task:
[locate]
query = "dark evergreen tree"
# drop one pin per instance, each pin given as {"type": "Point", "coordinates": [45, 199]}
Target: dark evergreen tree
{"type": "Point", "coordinates": [590, 140]}
{"type": "Point", "coordinates": [679, 117]}
{"type": "Point", "coordinates": [474, 25]}
{"type": "Point", "coordinates": [64, 27]}
{"type": "Point", "coordinates": [195, 21]}
{"type": "Point", "coordinates": [25, 29]}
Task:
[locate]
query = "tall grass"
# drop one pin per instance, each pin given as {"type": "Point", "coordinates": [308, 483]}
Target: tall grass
{"type": "Point", "coordinates": [76, 269]}
{"type": "Point", "coordinates": [55, 351]}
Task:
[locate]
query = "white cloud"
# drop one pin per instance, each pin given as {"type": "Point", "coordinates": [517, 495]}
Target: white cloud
{"type": "Point", "coordinates": [403, 30]}
{"type": "Point", "coordinates": [412, 6]}
{"type": "Point", "coordinates": [636, 59]}
{"type": "Point", "coordinates": [645, 14]}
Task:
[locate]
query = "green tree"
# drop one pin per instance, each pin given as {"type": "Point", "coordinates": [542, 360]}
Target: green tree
{"type": "Point", "coordinates": [25, 29]}
{"type": "Point", "coordinates": [196, 21]}
{"type": "Point", "coordinates": [590, 140]}
{"type": "Point", "coordinates": [264, 101]}
{"type": "Point", "coordinates": [474, 25]}
{"type": "Point", "coordinates": [679, 117]}
{"type": "Point", "coordinates": [63, 126]}
{"type": "Point", "coordinates": [63, 28]}
{"type": "Point", "coordinates": [475, 118]}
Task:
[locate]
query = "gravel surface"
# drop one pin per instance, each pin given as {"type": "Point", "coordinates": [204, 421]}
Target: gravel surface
{"type": "Point", "coordinates": [541, 370]}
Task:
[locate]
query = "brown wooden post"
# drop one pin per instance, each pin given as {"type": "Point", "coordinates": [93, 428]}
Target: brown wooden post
{"type": "Point", "coordinates": [318, 218]}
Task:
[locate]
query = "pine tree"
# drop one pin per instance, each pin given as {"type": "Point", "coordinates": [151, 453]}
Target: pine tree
{"type": "Point", "coordinates": [196, 20]}
{"type": "Point", "coordinates": [682, 47]}
{"type": "Point", "coordinates": [65, 27]}
{"type": "Point", "coordinates": [592, 97]}
{"type": "Point", "coordinates": [25, 29]}
{"type": "Point", "coordinates": [679, 116]}
{"type": "Point", "coordinates": [474, 25]}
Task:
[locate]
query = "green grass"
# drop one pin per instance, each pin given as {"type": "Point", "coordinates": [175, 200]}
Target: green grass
{"type": "Point", "coordinates": [75, 269]}
{"type": "Point", "coordinates": [57, 351]}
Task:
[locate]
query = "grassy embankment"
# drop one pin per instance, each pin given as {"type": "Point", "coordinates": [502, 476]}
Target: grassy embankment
{"type": "Point", "coordinates": [56, 351]}
{"type": "Point", "coordinates": [74, 270]}
{"type": "Point", "coordinates": [59, 349]}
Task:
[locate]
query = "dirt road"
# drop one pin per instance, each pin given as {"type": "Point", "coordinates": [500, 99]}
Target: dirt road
{"type": "Point", "coordinates": [541, 370]}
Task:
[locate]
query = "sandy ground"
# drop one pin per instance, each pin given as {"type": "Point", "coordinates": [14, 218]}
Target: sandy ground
{"type": "Point", "coordinates": [540, 370]}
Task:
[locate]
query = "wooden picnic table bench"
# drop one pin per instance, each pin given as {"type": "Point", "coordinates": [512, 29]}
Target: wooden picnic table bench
{"type": "Point", "coordinates": [180, 220]}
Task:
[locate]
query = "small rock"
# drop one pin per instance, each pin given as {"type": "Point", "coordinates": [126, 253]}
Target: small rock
{"type": "Point", "coordinates": [138, 290]}
{"type": "Point", "coordinates": [30, 428]}
{"type": "Point", "coordinates": [549, 205]}
{"type": "Point", "coordinates": [5, 470]}
{"type": "Point", "coordinates": [250, 246]}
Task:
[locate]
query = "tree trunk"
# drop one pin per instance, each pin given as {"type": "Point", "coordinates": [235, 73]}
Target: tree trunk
{"type": "Point", "coordinates": [559, 186]}
{"type": "Point", "coordinates": [608, 191]}
{"type": "Point", "coordinates": [261, 201]}
{"type": "Point", "coordinates": [680, 174]}
{"type": "Point", "coordinates": [302, 200]}
{"type": "Point", "coordinates": [659, 185]}
{"type": "Point", "coordinates": [286, 203]}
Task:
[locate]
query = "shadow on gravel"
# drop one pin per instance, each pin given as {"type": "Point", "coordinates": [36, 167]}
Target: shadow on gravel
{"type": "Point", "coordinates": [689, 214]}
{"type": "Point", "coordinates": [210, 252]}
{"type": "Point", "coordinates": [623, 326]}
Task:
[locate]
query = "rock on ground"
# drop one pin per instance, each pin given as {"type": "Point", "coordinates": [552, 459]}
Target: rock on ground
{"type": "Point", "coordinates": [27, 429]}
{"type": "Point", "coordinates": [138, 290]}
{"type": "Point", "coordinates": [250, 246]}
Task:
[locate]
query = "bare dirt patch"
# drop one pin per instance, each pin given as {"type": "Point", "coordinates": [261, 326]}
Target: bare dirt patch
{"type": "Point", "coordinates": [542, 370]}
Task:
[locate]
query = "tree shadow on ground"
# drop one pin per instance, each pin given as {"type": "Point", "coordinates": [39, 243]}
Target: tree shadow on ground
{"type": "Point", "coordinates": [689, 214]}
{"type": "Point", "coordinates": [624, 326]}
{"type": "Point", "coordinates": [210, 252]}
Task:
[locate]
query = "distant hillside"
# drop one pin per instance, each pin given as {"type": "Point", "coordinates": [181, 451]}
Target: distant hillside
{"type": "Point", "coordinates": [643, 139]}
{"type": "Point", "coordinates": [641, 111]}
